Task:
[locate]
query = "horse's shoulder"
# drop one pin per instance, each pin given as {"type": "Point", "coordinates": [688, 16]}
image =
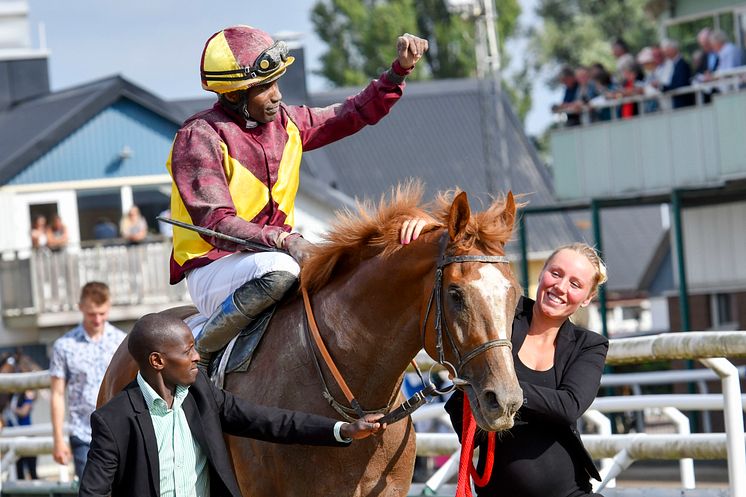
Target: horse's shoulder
{"type": "Point", "coordinates": [120, 403]}
{"type": "Point", "coordinates": [181, 312]}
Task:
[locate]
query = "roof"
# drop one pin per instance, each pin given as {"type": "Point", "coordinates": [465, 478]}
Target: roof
{"type": "Point", "coordinates": [32, 128]}
{"type": "Point", "coordinates": [633, 240]}
{"type": "Point", "coordinates": [434, 134]}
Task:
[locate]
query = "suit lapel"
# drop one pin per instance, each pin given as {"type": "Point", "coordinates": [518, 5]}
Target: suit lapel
{"type": "Point", "coordinates": [148, 434]}
{"type": "Point", "coordinates": [565, 346]}
{"type": "Point", "coordinates": [521, 323]}
{"type": "Point", "coordinates": [565, 342]}
{"type": "Point", "coordinates": [194, 420]}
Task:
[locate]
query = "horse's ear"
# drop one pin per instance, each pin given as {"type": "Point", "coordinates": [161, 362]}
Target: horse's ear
{"type": "Point", "coordinates": [508, 214]}
{"type": "Point", "coordinates": [459, 215]}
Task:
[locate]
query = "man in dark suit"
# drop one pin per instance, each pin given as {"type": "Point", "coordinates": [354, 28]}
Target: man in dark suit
{"type": "Point", "coordinates": [681, 75]}
{"type": "Point", "coordinates": [163, 434]}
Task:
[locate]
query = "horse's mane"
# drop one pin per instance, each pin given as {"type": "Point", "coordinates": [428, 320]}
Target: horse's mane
{"type": "Point", "coordinates": [373, 230]}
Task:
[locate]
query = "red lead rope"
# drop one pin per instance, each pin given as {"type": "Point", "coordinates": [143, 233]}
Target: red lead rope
{"type": "Point", "coordinates": [466, 468]}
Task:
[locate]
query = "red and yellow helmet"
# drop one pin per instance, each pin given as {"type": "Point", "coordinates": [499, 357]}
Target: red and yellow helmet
{"type": "Point", "coordinates": [240, 57]}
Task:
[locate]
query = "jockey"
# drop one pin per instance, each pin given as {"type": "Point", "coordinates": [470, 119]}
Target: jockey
{"type": "Point", "coordinates": [235, 170]}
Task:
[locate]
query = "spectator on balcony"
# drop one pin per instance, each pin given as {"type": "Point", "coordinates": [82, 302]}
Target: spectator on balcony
{"type": "Point", "coordinates": [709, 62]}
{"type": "Point", "coordinates": [630, 86]}
{"type": "Point", "coordinates": [681, 74]}
{"type": "Point", "coordinates": [105, 229]}
{"type": "Point", "coordinates": [79, 361]}
{"type": "Point", "coordinates": [729, 56]}
{"type": "Point", "coordinates": [133, 226]}
{"type": "Point", "coordinates": [39, 232]}
{"type": "Point", "coordinates": [620, 50]}
{"type": "Point", "coordinates": [586, 87]}
{"type": "Point", "coordinates": [568, 105]}
{"type": "Point", "coordinates": [166, 229]}
{"type": "Point", "coordinates": [650, 84]}
{"type": "Point", "coordinates": [603, 84]}
{"type": "Point", "coordinates": [57, 234]}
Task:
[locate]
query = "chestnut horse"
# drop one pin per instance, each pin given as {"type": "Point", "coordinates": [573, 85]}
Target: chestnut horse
{"type": "Point", "coordinates": [373, 302]}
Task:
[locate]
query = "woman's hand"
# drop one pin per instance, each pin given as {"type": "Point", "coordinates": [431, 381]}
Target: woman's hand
{"type": "Point", "coordinates": [411, 229]}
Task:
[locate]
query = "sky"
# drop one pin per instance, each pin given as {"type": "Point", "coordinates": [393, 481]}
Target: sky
{"type": "Point", "coordinates": [157, 43]}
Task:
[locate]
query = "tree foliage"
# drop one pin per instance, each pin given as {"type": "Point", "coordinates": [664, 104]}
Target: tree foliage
{"type": "Point", "coordinates": [360, 37]}
{"type": "Point", "coordinates": [578, 32]}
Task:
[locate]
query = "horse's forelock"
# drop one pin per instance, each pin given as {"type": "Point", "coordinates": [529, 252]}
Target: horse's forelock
{"type": "Point", "coordinates": [488, 230]}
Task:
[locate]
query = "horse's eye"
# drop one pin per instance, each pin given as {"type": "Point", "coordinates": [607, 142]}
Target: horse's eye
{"type": "Point", "coordinates": [456, 296]}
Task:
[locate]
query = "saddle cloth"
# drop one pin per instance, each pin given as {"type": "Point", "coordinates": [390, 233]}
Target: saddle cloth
{"type": "Point", "coordinates": [236, 356]}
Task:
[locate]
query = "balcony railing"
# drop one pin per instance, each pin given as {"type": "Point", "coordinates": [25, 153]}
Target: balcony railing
{"type": "Point", "coordinates": [727, 81]}
{"type": "Point", "coordinates": [692, 147]}
{"type": "Point", "coordinates": [39, 282]}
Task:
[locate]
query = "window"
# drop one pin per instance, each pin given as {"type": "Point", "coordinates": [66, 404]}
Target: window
{"type": "Point", "coordinates": [721, 310]}
{"type": "Point", "coordinates": [97, 207]}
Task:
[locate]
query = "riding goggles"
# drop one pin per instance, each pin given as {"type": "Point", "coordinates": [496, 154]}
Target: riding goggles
{"type": "Point", "coordinates": [268, 62]}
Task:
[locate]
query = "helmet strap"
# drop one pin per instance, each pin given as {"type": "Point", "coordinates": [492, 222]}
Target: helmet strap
{"type": "Point", "coordinates": [241, 107]}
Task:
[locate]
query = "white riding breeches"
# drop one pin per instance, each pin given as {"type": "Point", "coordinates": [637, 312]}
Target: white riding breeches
{"type": "Point", "coordinates": [210, 285]}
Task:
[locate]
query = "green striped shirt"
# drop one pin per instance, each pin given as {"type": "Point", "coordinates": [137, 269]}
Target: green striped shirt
{"type": "Point", "coordinates": [183, 464]}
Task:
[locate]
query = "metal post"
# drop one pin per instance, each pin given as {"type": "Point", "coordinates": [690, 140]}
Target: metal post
{"type": "Point", "coordinates": [678, 233]}
{"type": "Point", "coordinates": [733, 413]}
{"type": "Point", "coordinates": [603, 425]}
{"type": "Point", "coordinates": [686, 464]}
{"type": "Point", "coordinates": [596, 222]}
{"type": "Point", "coordinates": [497, 160]}
{"type": "Point", "coordinates": [523, 240]}
{"type": "Point", "coordinates": [680, 260]}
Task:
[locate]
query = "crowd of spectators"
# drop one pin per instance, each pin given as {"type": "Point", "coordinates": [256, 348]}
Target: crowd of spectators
{"type": "Point", "coordinates": [655, 70]}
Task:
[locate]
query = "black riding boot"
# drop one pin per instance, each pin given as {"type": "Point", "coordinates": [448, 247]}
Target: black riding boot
{"type": "Point", "coordinates": [239, 310]}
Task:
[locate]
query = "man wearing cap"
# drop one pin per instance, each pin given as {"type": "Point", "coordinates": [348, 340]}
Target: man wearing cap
{"type": "Point", "coordinates": [235, 170]}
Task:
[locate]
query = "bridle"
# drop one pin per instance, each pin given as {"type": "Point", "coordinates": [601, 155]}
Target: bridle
{"type": "Point", "coordinates": [441, 329]}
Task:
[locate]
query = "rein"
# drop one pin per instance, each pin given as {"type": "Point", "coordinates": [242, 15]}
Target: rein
{"type": "Point", "coordinates": [441, 328]}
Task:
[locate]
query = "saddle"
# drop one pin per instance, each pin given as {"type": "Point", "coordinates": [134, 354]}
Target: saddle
{"type": "Point", "coordinates": [237, 355]}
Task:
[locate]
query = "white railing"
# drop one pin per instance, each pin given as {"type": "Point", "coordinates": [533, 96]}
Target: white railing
{"type": "Point", "coordinates": [42, 281]}
{"type": "Point", "coordinates": [711, 348]}
{"type": "Point", "coordinates": [619, 451]}
{"type": "Point", "coordinates": [19, 382]}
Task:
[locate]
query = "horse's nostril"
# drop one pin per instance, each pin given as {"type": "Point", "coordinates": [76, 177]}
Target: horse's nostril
{"type": "Point", "coordinates": [490, 400]}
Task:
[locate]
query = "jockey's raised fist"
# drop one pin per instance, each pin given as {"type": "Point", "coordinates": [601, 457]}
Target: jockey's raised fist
{"type": "Point", "coordinates": [409, 49]}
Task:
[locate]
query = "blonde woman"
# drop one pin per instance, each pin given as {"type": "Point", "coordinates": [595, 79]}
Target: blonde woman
{"type": "Point", "coordinates": [559, 367]}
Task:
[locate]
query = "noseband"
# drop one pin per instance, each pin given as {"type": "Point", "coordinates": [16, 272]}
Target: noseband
{"type": "Point", "coordinates": [441, 327]}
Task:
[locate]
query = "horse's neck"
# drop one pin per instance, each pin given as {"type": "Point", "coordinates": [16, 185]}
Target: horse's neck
{"type": "Point", "coordinates": [371, 320]}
